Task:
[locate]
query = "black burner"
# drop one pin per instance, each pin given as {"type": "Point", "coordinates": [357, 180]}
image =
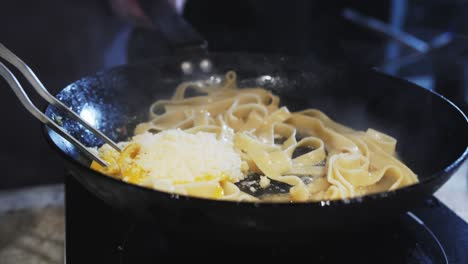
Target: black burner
{"type": "Point", "coordinates": [410, 241]}
{"type": "Point", "coordinates": [95, 233]}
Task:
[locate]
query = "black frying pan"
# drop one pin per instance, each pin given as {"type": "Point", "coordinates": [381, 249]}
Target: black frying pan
{"type": "Point", "coordinates": [431, 132]}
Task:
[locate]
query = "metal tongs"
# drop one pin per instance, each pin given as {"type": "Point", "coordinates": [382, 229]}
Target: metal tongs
{"type": "Point", "coordinates": [44, 93]}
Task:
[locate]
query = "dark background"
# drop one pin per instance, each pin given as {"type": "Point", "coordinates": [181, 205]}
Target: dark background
{"type": "Point", "coordinates": [63, 40]}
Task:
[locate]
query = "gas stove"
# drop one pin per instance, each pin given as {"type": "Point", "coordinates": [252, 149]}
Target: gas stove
{"type": "Point", "coordinates": [431, 233]}
{"type": "Point", "coordinates": [96, 233]}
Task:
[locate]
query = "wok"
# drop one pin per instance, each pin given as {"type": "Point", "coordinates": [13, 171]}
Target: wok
{"type": "Point", "coordinates": [431, 133]}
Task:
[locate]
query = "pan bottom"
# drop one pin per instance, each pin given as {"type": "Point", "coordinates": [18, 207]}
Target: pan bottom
{"type": "Point", "coordinates": [408, 241]}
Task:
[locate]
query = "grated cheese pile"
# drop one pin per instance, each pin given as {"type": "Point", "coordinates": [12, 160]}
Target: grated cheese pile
{"type": "Point", "coordinates": [184, 157]}
{"type": "Point", "coordinates": [176, 161]}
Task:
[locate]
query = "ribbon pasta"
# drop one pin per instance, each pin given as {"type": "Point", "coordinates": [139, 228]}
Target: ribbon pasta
{"type": "Point", "coordinates": [335, 161]}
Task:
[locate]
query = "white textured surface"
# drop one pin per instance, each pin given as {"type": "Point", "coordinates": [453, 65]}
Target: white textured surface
{"type": "Point", "coordinates": [32, 225]}
{"type": "Point", "coordinates": [454, 193]}
{"type": "Point", "coordinates": [32, 236]}
{"type": "Point", "coordinates": [30, 198]}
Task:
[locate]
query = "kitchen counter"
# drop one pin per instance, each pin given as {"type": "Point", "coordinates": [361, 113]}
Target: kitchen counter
{"type": "Point", "coordinates": [32, 225]}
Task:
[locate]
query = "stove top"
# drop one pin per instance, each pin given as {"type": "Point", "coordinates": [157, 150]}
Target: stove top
{"type": "Point", "coordinates": [95, 233]}
{"type": "Point", "coordinates": [431, 233]}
